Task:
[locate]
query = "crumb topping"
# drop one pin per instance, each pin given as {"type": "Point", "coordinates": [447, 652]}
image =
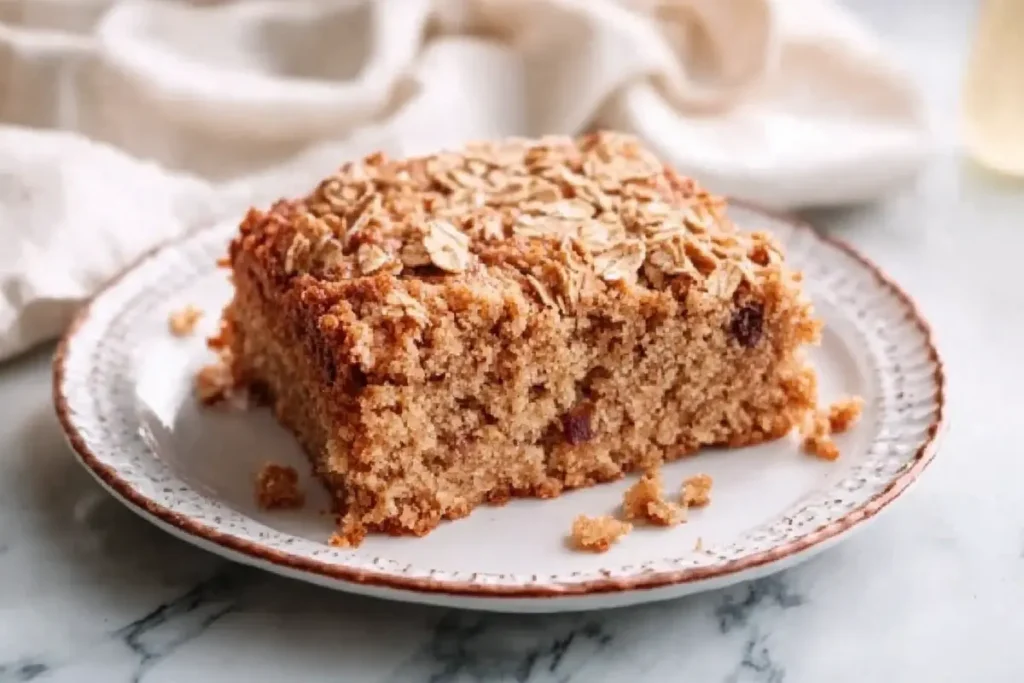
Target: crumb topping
{"type": "Point", "coordinates": [597, 534]}
{"type": "Point", "coordinates": [696, 491]}
{"type": "Point", "coordinates": [607, 210]}
{"type": "Point", "coordinates": [277, 487]}
{"type": "Point", "coordinates": [183, 322]}
{"type": "Point", "coordinates": [646, 500]}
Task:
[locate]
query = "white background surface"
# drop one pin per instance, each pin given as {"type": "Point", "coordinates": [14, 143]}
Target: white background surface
{"type": "Point", "coordinates": [933, 591]}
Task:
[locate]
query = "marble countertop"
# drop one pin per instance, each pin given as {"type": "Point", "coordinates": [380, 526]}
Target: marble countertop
{"type": "Point", "coordinates": [933, 590]}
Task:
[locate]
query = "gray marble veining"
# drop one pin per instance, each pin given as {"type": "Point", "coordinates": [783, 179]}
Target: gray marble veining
{"type": "Point", "coordinates": [932, 591]}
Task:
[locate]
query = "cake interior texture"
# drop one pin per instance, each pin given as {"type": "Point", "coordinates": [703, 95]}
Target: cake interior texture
{"type": "Point", "coordinates": [515, 319]}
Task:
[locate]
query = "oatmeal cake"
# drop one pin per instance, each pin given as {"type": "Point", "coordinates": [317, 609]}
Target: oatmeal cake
{"type": "Point", "coordinates": [515, 319]}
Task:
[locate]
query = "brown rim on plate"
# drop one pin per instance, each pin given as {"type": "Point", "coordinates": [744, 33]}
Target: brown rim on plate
{"type": "Point", "coordinates": [254, 551]}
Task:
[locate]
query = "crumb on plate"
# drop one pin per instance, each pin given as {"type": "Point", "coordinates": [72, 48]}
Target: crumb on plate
{"type": "Point", "coordinates": [646, 500]}
{"type": "Point", "coordinates": [817, 436]}
{"type": "Point", "coordinates": [348, 535]}
{"type": "Point", "coordinates": [214, 382]}
{"type": "Point", "coordinates": [844, 413]}
{"type": "Point", "coordinates": [696, 491]}
{"type": "Point", "coordinates": [277, 487]}
{"type": "Point", "coordinates": [597, 534]}
{"type": "Point", "coordinates": [699, 545]}
{"type": "Point", "coordinates": [183, 322]}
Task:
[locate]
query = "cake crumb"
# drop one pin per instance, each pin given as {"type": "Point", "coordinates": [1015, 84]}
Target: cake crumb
{"type": "Point", "coordinates": [646, 500]}
{"type": "Point", "coordinates": [597, 534]}
{"type": "Point", "coordinates": [350, 534]}
{"type": "Point", "coordinates": [822, 447]}
{"type": "Point", "coordinates": [699, 545]}
{"type": "Point", "coordinates": [336, 540]}
{"type": "Point", "coordinates": [214, 382]}
{"type": "Point", "coordinates": [817, 436]}
{"type": "Point", "coordinates": [277, 487]}
{"type": "Point", "coordinates": [183, 322]}
{"type": "Point", "coordinates": [844, 413]}
{"type": "Point", "coordinates": [696, 491]}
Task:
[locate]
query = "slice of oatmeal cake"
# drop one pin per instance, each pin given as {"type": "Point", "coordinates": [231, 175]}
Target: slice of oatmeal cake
{"type": "Point", "coordinates": [514, 319]}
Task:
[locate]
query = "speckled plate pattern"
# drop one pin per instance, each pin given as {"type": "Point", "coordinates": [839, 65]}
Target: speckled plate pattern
{"type": "Point", "coordinates": [123, 392]}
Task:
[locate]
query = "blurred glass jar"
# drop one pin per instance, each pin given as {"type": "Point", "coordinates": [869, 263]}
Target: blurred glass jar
{"type": "Point", "coordinates": [993, 97]}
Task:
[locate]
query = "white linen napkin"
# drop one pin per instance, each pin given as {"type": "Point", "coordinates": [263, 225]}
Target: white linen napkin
{"type": "Point", "coordinates": [126, 123]}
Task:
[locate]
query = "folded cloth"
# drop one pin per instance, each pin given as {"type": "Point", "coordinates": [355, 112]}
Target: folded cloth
{"type": "Point", "coordinates": [127, 123]}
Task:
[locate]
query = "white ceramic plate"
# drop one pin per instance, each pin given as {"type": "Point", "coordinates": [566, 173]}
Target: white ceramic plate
{"type": "Point", "coordinates": [122, 387]}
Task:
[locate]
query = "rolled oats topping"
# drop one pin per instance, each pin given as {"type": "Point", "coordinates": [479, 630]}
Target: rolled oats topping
{"type": "Point", "coordinates": [702, 258]}
{"type": "Point", "coordinates": [724, 280]}
{"type": "Point", "coordinates": [314, 247]}
{"type": "Point", "coordinates": [542, 291]}
{"type": "Point", "coordinates": [491, 228]}
{"type": "Point", "coordinates": [621, 262]}
{"type": "Point", "coordinates": [669, 256]}
{"type": "Point", "coordinates": [372, 258]}
{"type": "Point", "coordinates": [630, 219]}
{"type": "Point", "coordinates": [414, 253]}
{"type": "Point", "coordinates": [398, 304]}
{"type": "Point", "coordinates": [571, 272]}
{"type": "Point", "coordinates": [572, 210]}
{"type": "Point", "coordinates": [448, 248]}
{"type": "Point", "coordinates": [296, 259]}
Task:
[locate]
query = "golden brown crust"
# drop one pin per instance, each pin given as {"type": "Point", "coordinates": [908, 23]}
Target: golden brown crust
{"type": "Point", "coordinates": [429, 362]}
